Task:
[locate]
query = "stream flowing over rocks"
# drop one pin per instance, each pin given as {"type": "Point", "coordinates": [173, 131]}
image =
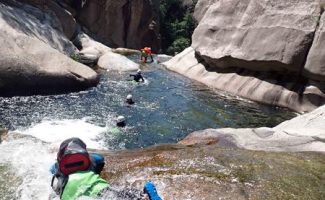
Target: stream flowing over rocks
{"type": "Point", "coordinates": [267, 51]}
{"type": "Point", "coordinates": [210, 172]}
{"type": "Point", "coordinates": [58, 79]}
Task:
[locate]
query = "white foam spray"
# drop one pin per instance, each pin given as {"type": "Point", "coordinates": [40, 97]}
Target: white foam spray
{"type": "Point", "coordinates": [56, 131]}
{"type": "Point", "coordinates": [30, 158]}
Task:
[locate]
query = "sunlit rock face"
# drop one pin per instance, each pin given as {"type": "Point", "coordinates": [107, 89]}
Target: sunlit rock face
{"type": "Point", "coordinates": [267, 35]}
{"type": "Point", "coordinates": [34, 58]}
{"type": "Point", "coordinates": [268, 51]}
{"type": "Point", "coordinates": [210, 172]}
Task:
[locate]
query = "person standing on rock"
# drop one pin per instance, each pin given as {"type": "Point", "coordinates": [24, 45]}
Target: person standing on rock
{"type": "Point", "coordinates": [145, 52]}
{"type": "Point", "coordinates": [138, 76]}
{"type": "Point", "coordinates": [143, 56]}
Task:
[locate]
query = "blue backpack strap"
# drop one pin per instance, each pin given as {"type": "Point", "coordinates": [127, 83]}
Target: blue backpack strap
{"type": "Point", "coordinates": [150, 189]}
{"type": "Point", "coordinates": [54, 168]}
{"type": "Point", "coordinates": [98, 162]}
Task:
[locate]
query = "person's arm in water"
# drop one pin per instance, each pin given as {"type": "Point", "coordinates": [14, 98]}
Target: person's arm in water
{"type": "Point", "coordinates": [141, 78]}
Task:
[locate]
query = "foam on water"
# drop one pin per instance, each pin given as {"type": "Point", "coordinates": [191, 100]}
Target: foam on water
{"type": "Point", "coordinates": [29, 160]}
{"type": "Point", "coordinates": [55, 131]}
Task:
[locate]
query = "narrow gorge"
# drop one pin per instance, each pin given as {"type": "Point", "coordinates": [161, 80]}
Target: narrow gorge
{"type": "Point", "coordinates": [243, 117]}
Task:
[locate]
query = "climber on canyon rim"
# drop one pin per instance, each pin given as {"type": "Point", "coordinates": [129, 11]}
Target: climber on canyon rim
{"type": "Point", "coordinates": [76, 173]}
{"type": "Point", "coordinates": [145, 52]}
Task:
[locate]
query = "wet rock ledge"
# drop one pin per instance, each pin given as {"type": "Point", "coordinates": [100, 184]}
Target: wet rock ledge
{"type": "Point", "coordinates": [216, 164]}
{"type": "Point", "coordinates": [210, 172]}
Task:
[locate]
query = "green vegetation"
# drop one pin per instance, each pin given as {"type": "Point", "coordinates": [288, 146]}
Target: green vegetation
{"type": "Point", "coordinates": [75, 57]}
{"type": "Point", "coordinates": [176, 25]}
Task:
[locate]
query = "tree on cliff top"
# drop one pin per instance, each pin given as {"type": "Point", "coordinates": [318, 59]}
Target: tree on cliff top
{"type": "Point", "coordinates": [176, 25]}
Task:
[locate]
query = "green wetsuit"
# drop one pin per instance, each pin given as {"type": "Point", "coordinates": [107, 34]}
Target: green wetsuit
{"type": "Point", "coordinates": [116, 131]}
{"type": "Point", "coordinates": [84, 183]}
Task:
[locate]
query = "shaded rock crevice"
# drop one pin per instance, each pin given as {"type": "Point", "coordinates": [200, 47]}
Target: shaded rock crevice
{"type": "Point", "coordinates": [124, 23]}
{"type": "Point", "coordinates": [126, 9]}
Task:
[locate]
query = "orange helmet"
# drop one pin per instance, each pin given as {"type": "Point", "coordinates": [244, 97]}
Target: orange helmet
{"type": "Point", "coordinates": [147, 50]}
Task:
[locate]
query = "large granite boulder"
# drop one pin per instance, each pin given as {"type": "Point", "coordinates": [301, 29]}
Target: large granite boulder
{"type": "Point", "coordinates": [32, 59]}
{"type": "Point", "coordinates": [116, 62]}
{"type": "Point", "coordinates": [261, 35]}
{"type": "Point", "coordinates": [303, 133]}
{"type": "Point", "coordinates": [264, 87]}
{"type": "Point", "coordinates": [123, 23]}
{"type": "Point", "coordinates": [315, 64]}
{"type": "Point", "coordinates": [268, 51]}
{"type": "Point", "coordinates": [201, 8]}
{"type": "Point", "coordinates": [34, 22]}
{"type": "Point", "coordinates": [104, 56]}
{"type": "Point", "coordinates": [65, 21]}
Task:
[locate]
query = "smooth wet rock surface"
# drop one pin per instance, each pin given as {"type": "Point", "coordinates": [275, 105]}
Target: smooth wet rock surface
{"type": "Point", "coordinates": [267, 51]}
{"type": "Point", "coordinates": [266, 35]}
{"type": "Point", "coordinates": [34, 61]}
{"type": "Point", "coordinates": [116, 62]}
{"type": "Point", "coordinates": [265, 87]}
{"type": "Point", "coordinates": [105, 57]}
{"type": "Point", "coordinates": [303, 133]}
{"type": "Point", "coordinates": [210, 172]}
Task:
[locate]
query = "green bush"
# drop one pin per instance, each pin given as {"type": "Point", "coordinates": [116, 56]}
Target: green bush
{"type": "Point", "coordinates": [176, 25]}
{"type": "Point", "coordinates": [75, 57]}
{"type": "Point", "coordinates": [179, 45]}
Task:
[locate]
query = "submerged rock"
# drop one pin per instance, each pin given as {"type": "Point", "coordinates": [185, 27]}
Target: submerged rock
{"type": "Point", "coordinates": [303, 133]}
{"type": "Point", "coordinates": [210, 172]}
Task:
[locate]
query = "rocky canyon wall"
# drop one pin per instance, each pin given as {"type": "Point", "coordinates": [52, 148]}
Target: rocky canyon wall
{"type": "Point", "coordinates": [268, 51]}
{"type": "Point", "coordinates": [123, 23]}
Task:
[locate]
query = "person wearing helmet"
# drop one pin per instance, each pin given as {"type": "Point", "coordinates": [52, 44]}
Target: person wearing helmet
{"type": "Point", "coordinates": [116, 131]}
{"type": "Point", "coordinates": [138, 76]}
{"type": "Point", "coordinates": [77, 174]}
{"type": "Point", "coordinates": [120, 121]}
{"type": "Point", "coordinates": [145, 52]}
{"type": "Point", "coordinates": [148, 52]}
{"type": "Point", "coordinates": [129, 100]}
